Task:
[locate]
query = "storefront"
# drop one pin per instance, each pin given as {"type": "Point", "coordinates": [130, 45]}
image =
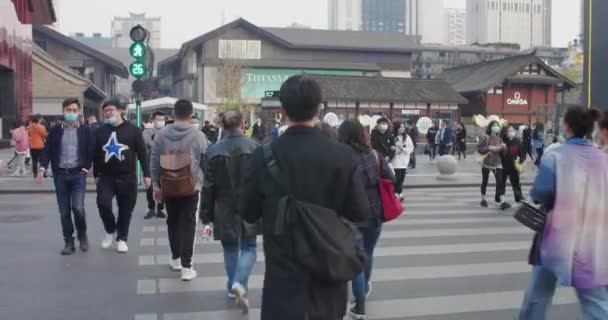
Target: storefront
{"type": "Point", "coordinates": [16, 17]}
{"type": "Point", "coordinates": [514, 88]}
{"type": "Point", "coordinates": [394, 98]}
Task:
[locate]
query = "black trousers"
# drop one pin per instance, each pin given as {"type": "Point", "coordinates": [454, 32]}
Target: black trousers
{"type": "Point", "coordinates": [181, 227]}
{"type": "Point", "coordinates": [500, 185]}
{"type": "Point", "coordinates": [513, 176]}
{"type": "Point", "coordinates": [152, 205]}
{"type": "Point", "coordinates": [444, 149]}
{"type": "Point", "coordinates": [399, 179]}
{"type": "Point", "coordinates": [124, 188]}
{"type": "Point", "coordinates": [36, 154]}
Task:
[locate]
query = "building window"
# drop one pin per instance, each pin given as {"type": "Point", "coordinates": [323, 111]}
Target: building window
{"type": "Point", "coordinates": [240, 49]}
{"type": "Point", "coordinates": [498, 91]}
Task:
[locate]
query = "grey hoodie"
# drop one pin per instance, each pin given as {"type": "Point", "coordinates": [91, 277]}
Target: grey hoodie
{"type": "Point", "coordinates": [177, 136]}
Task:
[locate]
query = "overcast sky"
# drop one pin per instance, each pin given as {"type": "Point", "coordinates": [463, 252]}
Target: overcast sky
{"type": "Point", "coordinates": [183, 20]}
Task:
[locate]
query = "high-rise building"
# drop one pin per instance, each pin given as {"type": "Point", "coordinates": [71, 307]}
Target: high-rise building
{"type": "Point", "coordinates": [525, 22]}
{"type": "Point", "coordinates": [455, 26]}
{"type": "Point", "coordinates": [412, 17]}
{"type": "Point", "coordinates": [121, 26]}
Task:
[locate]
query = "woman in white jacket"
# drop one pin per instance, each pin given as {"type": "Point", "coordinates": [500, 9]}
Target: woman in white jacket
{"type": "Point", "coordinates": [403, 148]}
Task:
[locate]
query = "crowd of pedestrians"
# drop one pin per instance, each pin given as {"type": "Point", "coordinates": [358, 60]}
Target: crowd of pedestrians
{"type": "Point", "coordinates": [316, 187]}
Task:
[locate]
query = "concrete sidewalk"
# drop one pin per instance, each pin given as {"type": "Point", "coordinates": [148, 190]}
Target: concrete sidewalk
{"type": "Point", "coordinates": [424, 176]}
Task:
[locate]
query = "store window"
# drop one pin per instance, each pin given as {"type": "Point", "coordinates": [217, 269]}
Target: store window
{"type": "Point", "coordinates": [240, 49]}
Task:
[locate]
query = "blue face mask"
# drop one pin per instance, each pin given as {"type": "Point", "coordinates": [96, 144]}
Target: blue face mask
{"type": "Point", "coordinates": [110, 121]}
{"type": "Point", "coordinates": [70, 117]}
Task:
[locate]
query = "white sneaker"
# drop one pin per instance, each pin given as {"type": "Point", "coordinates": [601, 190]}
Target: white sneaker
{"type": "Point", "coordinates": [241, 297]}
{"type": "Point", "coordinates": [176, 265]}
{"type": "Point", "coordinates": [121, 247]}
{"type": "Point", "coordinates": [188, 274]}
{"type": "Point", "coordinates": [107, 241]}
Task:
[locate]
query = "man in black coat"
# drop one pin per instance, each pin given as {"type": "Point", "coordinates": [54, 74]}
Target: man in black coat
{"type": "Point", "coordinates": [317, 171]}
{"type": "Point", "coordinates": [227, 161]}
{"type": "Point", "coordinates": [383, 139]}
{"type": "Point", "coordinates": [258, 133]}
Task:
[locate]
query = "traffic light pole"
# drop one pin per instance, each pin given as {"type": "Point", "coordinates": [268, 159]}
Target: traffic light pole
{"type": "Point", "coordinates": [138, 124]}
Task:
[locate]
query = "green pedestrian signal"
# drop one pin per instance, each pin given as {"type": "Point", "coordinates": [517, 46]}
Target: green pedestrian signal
{"type": "Point", "coordinates": [137, 50]}
{"type": "Point", "coordinates": [138, 69]}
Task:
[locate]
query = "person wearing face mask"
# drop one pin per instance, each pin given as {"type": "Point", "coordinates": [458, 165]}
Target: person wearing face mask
{"type": "Point", "coordinates": [400, 162]}
{"type": "Point", "coordinates": [513, 153]}
{"type": "Point", "coordinates": [493, 148]}
{"type": "Point", "coordinates": [382, 140]}
{"type": "Point", "coordinates": [158, 123]}
{"type": "Point", "coordinates": [118, 146]}
{"type": "Point", "coordinates": [69, 151]}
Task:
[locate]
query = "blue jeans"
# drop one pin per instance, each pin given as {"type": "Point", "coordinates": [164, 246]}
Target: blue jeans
{"type": "Point", "coordinates": [539, 295]}
{"type": "Point", "coordinates": [70, 189]}
{"type": "Point", "coordinates": [370, 239]}
{"type": "Point", "coordinates": [412, 163]}
{"type": "Point", "coordinates": [238, 268]}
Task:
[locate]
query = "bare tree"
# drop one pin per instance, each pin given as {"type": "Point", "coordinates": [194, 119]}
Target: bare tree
{"type": "Point", "coordinates": [230, 83]}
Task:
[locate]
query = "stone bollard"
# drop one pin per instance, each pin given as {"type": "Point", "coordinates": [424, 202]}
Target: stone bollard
{"type": "Point", "coordinates": [447, 166]}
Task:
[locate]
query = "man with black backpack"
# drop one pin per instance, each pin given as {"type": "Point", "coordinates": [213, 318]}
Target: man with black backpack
{"type": "Point", "coordinates": [302, 185]}
{"type": "Point", "coordinates": [176, 162]}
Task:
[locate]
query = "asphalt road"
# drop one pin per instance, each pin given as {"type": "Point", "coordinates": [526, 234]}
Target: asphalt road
{"type": "Point", "coordinates": [445, 258]}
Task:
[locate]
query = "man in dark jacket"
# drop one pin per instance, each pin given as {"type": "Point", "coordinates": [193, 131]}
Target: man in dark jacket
{"type": "Point", "coordinates": [226, 164]}
{"type": "Point", "coordinates": [118, 146]}
{"type": "Point", "coordinates": [69, 150]}
{"type": "Point", "coordinates": [258, 133]}
{"type": "Point", "coordinates": [383, 140]}
{"type": "Point", "coordinates": [445, 138]}
{"type": "Point", "coordinates": [318, 171]}
{"type": "Point", "coordinates": [514, 153]}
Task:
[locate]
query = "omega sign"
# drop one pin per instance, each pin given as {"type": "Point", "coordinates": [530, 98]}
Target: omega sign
{"type": "Point", "coordinates": [517, 100]}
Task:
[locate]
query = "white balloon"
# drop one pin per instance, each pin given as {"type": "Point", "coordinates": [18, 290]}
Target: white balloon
{"type": "Point", "coordinates": [424, 124]}
{"type": "Point", "coordinates": [331, 119]}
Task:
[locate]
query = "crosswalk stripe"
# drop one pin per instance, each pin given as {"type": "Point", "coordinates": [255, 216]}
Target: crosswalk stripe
{"type": "Point", "coordinates": [412, 222]}
{"type": "Point", "coordinates": [415, 307]}
{"type": "Point", "coordinates": [203, 284]}
{"type": "Point", "coordinates": [379, 252]}
{"type": "Point", "coordinates": [387, 234]}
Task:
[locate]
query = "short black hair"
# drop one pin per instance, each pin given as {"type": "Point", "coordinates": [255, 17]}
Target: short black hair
{"type": "Point", "coordinates": [410, 122]}
{"type": "Point", "coordinates": [206, 122]}
{"type": "Point", "coordinates": [232, 119]}
{"type": "Point", "coordinates": [382, 120]}
{"type": "Point", "coordinates": [70, 101]}
{"type": "Point", "coordinates": [183, 108]}
{"type": "Point", "coordinates": [300, 97]}
{"type": "Point", "coordinates": [580, 120]}
{"type": "Point", "coordinates": [112, 102]}
{"type": "Point", "coordinates": [157, 114]}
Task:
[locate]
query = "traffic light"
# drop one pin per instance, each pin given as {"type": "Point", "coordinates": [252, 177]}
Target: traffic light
{"type": "Point", "coordinates": [138, 49]}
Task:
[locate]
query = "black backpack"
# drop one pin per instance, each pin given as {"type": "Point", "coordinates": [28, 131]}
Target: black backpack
{"type": "Point", "coordinates": [324, 243]}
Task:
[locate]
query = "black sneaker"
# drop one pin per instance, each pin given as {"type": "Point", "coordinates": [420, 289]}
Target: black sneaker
{"type": "Point", "coordinates": [356, 314]}
{"type": "Point", "coordinates": [160, 214]}
{"type": "Point", "coordinates": [69, 249]}
{"type": "Point", "coordinates": [484, 203]}
{"type": "Point", "coordinates": [150, 214]}
{"type": "Point", "coordinates": [505, 206]}
{"type": "Point", "coordinates": [84, 244]}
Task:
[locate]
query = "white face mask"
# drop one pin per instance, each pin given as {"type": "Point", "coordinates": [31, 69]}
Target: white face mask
{"type": "Point", "coordinates": [511, 134]}
{"type": "Point", "coordinates": [159, 124]}
{"type": "Point", "coordinates": [383, 128]}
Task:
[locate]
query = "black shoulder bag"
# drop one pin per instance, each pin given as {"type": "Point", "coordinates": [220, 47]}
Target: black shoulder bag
{"type": "Point", "coordinates": [324, 243]}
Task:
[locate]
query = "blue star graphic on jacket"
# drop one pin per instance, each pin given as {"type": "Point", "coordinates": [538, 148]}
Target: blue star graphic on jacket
{"type": "Point", "coordinates": [113, 148]}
